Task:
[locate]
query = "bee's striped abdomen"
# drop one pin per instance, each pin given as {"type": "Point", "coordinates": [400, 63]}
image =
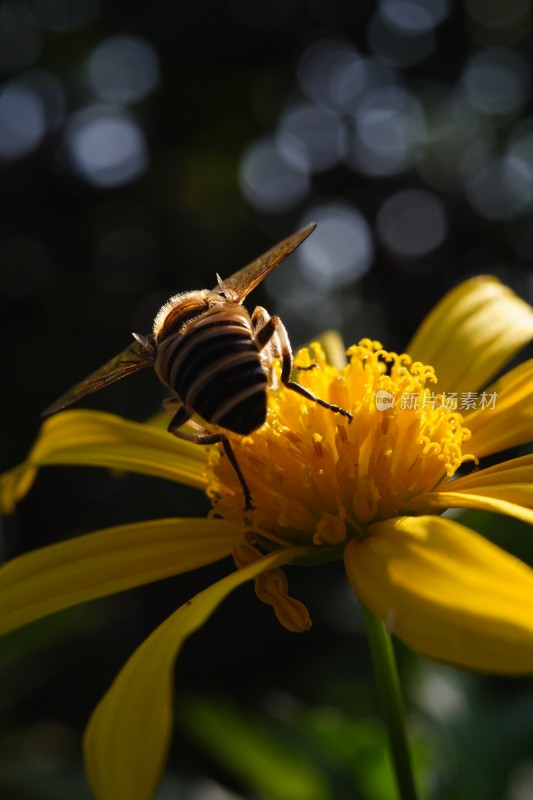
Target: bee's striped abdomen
{"type": "Point", "coordinates": [216, 371]}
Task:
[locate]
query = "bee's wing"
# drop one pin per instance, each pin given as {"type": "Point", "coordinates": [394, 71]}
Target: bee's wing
{"type": "Point", "coordinates": [135, 357]}
{"type": "Point", "coordinates": [247, 278]}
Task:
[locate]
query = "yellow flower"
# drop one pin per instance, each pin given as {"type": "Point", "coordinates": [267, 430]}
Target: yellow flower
{"type": "Point", "coordinates": [370, 492]}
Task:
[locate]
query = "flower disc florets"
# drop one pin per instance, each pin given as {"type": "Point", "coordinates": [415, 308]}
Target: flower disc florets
{"type": "Point", "coordinates": [317, 479]}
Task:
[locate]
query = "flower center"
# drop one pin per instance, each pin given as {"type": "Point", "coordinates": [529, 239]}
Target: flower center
{"type": "Point", "coordinates": [317, 479]}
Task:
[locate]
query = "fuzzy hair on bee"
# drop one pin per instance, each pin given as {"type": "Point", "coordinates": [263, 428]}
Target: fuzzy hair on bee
{"type": "Point", "coordinates": [214, 358]}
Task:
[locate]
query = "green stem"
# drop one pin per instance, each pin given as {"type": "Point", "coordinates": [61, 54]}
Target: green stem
{"type": "Point", "coordinates": [390, 692]}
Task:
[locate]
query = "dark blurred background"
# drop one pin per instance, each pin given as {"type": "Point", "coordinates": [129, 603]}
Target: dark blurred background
{"type": "Point", "coordinates": [145, 147]}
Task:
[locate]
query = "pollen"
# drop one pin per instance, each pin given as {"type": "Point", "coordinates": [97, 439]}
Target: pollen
{"type": "Point", "coordinates": [318, 479]}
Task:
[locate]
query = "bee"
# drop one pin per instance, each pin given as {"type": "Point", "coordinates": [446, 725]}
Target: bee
{"type": "Point", "coordinates": [214, 357]}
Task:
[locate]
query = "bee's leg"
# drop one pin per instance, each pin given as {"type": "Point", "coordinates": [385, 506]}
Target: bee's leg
{"type": "Point", "coordinates": [274, 328]}
{"type": "Point", "coordinates": [172, 404]}
{"type": "Point", "coordinates": [265, 332]}
{"type": "Point", "coordinates": [260, 319]}
{"type": "Point", "coordinates": [181, 416]}
{"type": "Point", "coordinates": [204, 437]}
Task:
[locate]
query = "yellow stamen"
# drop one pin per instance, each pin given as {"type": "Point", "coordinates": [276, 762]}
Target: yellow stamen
{"type": "Point", "coordinates": [317, 479]}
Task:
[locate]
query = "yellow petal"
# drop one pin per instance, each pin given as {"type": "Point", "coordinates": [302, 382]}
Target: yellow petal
{"type": "Point", "coordinates": [96, 439]}
{"type": "Point", "coordinates": [447, 592]}
{"type": "Point", "coordinates": [334, 348]}
{"type": "Point", "coordinates": [487, 500]}
{"type": "Point", "coordinates": [128, 735]}
{"type": "Point", "coordinates": [516, 472]}
{"type": "Point", "coordinates": [471, 333]}
{"type": "Point", "coordinates": [505, 488]}
{"type": "Point", "coordinates": [510, 422]}
{"type": "Point", "coordinates": [105, 562]}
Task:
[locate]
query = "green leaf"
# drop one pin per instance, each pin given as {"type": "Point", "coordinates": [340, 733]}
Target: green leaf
{"type": "Point", "coordinates": [251, 750]}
